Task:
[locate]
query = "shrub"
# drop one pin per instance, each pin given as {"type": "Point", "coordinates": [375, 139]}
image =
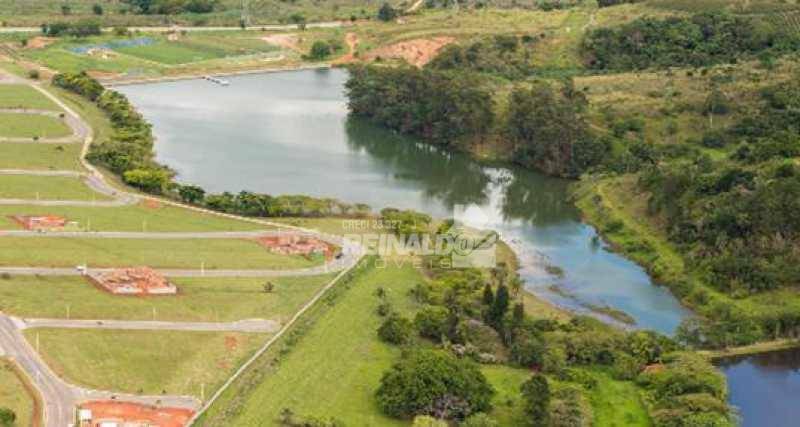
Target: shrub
{"type": "Point", "coordinates": [320, 50]}
{"type": "Point", "coordinates": [536, 393]}
{"type": "Point", "coordinates": [395, 329]}
{"type": "Point", "coordinates": [7, 417]}
{"type": "Point", "coordinates": [33, 74]}
{"type": "Point", "coordinates": [432, 382]}
{"type": "Point", "coordinates": [432, 322]}
{"type": "Point", "coordinates": [387, 13]}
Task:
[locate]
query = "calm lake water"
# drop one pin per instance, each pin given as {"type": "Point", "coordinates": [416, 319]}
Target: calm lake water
{"type": "Point", "coordinates": [765, 387]}
{"type": "Point", "coordinates": [289, 133]}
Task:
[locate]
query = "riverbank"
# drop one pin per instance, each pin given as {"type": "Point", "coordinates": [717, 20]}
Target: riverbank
{"type": "Point", "coordinates": [758, 348]}
{"type": "Point", "coordinates": [113, 82]}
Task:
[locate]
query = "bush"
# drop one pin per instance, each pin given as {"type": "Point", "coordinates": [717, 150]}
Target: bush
{"type": "Point", "coordinates": [387, 13]}
{"type": "Point", "coordinates": [33, 74]}
{"type": "Point", "coordinates": [320, 50]}
{"type": "Point", "coordinates": [432, 322]}
{"type": "Point", "coordinates": [432, 382]}
{"type": "Point", "coordinates": [536, 393]}
{"type": "Point", "coordinates": [479, 420]}
{"type": "Point", "coordinates": [395, 329]}
{"type": "Point", "coordinates": [7, 417]}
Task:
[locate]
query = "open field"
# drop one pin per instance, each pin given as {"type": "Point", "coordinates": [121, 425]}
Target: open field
{"type": "Point", "coordinates": [14, 395]}
{"type": "Point", "coordinates": [617, 403]}
{"type": "Point", "coordinates": [140, 217]}
{"type": "Point", "coordinates": [39, 156]}
{"type": "Point", "coordinates": [30, 187]}
{"type": "Point", "coordinates": [198, 299]}
{"type": "Point", "coordinates": [161, 253]}
{"type": "Point", "coordinates": [31, 126]}
{"type": "Point", "coordinates": [144, 362]}
{"type": "Point", "coordinates": [23, 96]}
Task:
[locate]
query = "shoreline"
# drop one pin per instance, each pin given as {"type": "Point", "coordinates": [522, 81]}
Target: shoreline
{"type": "Point", "coordinates": [110, 83]}
{"type": "Point", "coordinates": [752, 349]}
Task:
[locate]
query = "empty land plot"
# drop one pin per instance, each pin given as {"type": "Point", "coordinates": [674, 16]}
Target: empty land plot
{"type": "Point", "coordinates": [24, 96]}
{"type": "Point", "coordinates": [14, 125]}
{"type": "Point", "coordinates": [145, 362]}
{"type": "Point", "coordinates": [31, 187]}
{"type": "Point", "coordinates": [156, 253]}
{"type": "Point", "coordinates": [14, 395]}
{"type": "Point", "coordinates": [198, 299]}
{"type": "Point", "coordinates": [39, 156]}
{"type": "Point", "coordinates": [146, 216]}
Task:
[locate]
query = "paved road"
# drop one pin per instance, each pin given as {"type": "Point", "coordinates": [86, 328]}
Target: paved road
{"type": "Point", "coordinates": [78, 128]}
{"type": "Point", "coordinates": [161, 29]}
{"type": "Point", "coordinates": [59, 397]}
{"type": "Point", "coordinates": [250, 325]}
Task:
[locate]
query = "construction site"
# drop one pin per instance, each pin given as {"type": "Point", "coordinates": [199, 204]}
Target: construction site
{"type": "Point", "coordinates": [124, 414]}
{"type": "Point", "coordinates": [41, 222]}
{"type": "Point", "coordinates": [132, 281]}
{"type": "Point", "coordinates": [297, 244]}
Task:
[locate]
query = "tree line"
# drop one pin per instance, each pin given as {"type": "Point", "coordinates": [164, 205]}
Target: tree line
{"type": "Point", "coordinates": [457, 109]}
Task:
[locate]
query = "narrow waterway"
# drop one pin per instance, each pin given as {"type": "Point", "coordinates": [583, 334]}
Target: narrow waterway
{"type": "Point", "coordinates": [289, 133]}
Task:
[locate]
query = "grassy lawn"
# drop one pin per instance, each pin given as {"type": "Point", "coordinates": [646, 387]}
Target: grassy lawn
{"type": "Point", "coordinates": [32, 125]}
{"type": "Point", "coordinates": [31, 187]}
{"type": "Point", "coordinates": [23, 96]}
{"type": "Point", "coordinates": [309, 381]}
{"type": "Point", "coordinates": [161, 253]}
{"type": "Point", "coordinates": [14, 396]}
{"type": "Point", "coordinates": [148, 362]}
{"type": "Point", "coordinates": [39, 156]}
{"type": "Point", "coordinates": [199, 300]}
{"type": "Point", "coordinates": [617, 403]}
{"type": "Point", "coordinates": [139, 217]}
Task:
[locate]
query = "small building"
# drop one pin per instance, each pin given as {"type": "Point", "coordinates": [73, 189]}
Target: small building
{"type": "Point", "coordinates": [133, 281]}
{"type": "Point", "coordinates": [296, 244]}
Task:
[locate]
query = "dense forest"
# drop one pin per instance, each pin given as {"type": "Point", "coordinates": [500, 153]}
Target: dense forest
{"type": "Point", "coordinates": [703, 39]}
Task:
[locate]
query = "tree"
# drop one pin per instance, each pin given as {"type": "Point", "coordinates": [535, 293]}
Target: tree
{"type": "Point", "coordinates": [432, 322]}
{"type": "Point", "coordinates": [269, 287]}
{"type": "Point", "coordinates": [387, 13]}
{"type": "Point", "coordinates": [191, 193]}
{"type": "Point", "coordinates": [436, 383]}
{"type": "Point", "coordinates": [536, 393]}
{"type": "Point", "coordinates": [150, 180]}
{"type": "Point", "coordinates": [488, 295]}
{"type": "Point", "coordinates": [499, 307]}
{"type": "Point", "coordinates": [395, 329]}
{"type": "Point", "coordinates": [97, 9]}
{"type": "Point", "coordinates": [7, 417]}
{"type": "Point", "coordinates": [66, 9]}
{"type": "Point", "coordinates": [320, 50]}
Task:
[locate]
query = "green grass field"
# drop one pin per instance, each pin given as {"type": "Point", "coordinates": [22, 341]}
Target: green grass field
{"type": "Point", "coordinates": [39, 156]}
{"type": "Point", "coordinates": [32, 125]}
{"type": "Point", "coordinates": [199, 299]}
{"type": "Point", "coordinates": [31, 187]}
{"type": "Point", "coordinates": [161, 253]}
{"type": "Point", "coordinates": [14, 396]}
{"type": "Point", "coordinates": [617, 403]}
{"type": "Point", "coordinates": [130, 218]}
{"type": "Point", "coordinates": [144, 362]}
{"type": "Point", "coordinates": [23, 96]}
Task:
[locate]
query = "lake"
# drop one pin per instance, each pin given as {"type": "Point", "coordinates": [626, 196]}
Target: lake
{"type": "Point", "coordinates": [289, 133]}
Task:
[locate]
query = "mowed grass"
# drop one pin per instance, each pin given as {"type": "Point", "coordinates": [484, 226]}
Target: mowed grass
{"type": "Point", "coordinates": [144, 362]}
{"type": "Point", "coordinates": [140, 217]}
{"type": "Point", "coordinates": [23, 96]}
{"type": "Point", "coordinates": [158, 253]}
{"type": "Point", "coordinates": [14, 125]}
{"type": "Point", "coordinates": [617, 403]}
{"type": "Point", "coordinates": [334, 369]}
{"type": "Point", "coordinates": [14, 396]}
{"type": "Point", "coordinates": [199, 299]}
{"type": "Point", "coordinates": [32, 187]}
{"type": "Point", "coordinates": [32, 156]}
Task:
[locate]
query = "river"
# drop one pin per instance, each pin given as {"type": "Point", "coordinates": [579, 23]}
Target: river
{"type": "Point", "coordinates": [289, 133]}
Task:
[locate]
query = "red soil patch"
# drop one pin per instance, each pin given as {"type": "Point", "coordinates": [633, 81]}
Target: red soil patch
{"type": "Point", "coordinates": [295, 244]}
{"type": "Point", "coordinates": [231, 343]}
{"type": "Point", "coordinates": [133, 281]}
{"type": "Point", "coordinates": [41, 222]}
{"type": "Point", "coordinates": [152, 204]}
{"type": "Point", "coordinates": [40, 42]}
{"type": "Point", "coordinates": [135, 414]}
{"type": "Point", "coordinates": [351, 39]}
{"type": "Point", "coordinates": [416, 52]}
